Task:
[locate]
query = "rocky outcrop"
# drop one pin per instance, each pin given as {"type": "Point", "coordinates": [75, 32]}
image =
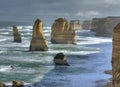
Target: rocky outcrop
{"type": "Point", "coordinates": [60, 59]}
{"type": "Point", "coordinates": [75, 24]}
{"type": "Point", "coordinates": [109, 84]}
{"type": "Point", "coordinates": [38, 42]}
{"type": "Point", "coordinates": [116, 56]}
{"type": "Point", "coordinates": [104, 26]}
{"type": "Point", "coordinates": [2, 84]}
{"type": "Point", "coordinates": [86, 25]}
{"type": "Point", "coordinates": [17, 84]}
{"type": "Point", "coordinates": [16, 34]}
{"type": "Point", "coordinates": [62, 32]}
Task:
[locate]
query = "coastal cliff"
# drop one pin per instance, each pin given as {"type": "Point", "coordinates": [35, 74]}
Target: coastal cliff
{"type": "Point", "coordinates": [86, 25]}
{"type": "Point", "coordinates": [104, 26]}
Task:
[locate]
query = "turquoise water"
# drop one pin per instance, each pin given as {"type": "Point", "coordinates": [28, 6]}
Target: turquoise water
{"type": "Point", "coordinates": [90, 57]}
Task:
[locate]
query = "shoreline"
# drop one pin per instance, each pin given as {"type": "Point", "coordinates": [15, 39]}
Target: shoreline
{"type": "Point", "coordinates": [108, 84]}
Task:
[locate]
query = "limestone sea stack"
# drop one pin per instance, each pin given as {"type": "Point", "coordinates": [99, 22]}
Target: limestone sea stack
{"type": "Point", "coordinates": [60, 59]}
{"type": "Point", "coordinates": [38, 42]}
{"type": "Point", "coordinates": [75, 24]}
{"type": "Point", "coordinates": [62, 32]}
{"type": "Point", "coordinates": [16, 34]}
{"type": "Point", "coordinates": [116, 56]}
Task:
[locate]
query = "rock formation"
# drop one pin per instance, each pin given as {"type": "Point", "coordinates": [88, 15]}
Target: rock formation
{"type": "Point", "coordinates": [60, 59]}
{"type": "Point", "coordinates": [38, 42]}
{"type": "Point", "coordinates": [62, 32]}
{"type": "Point", "coordinates": [16, 34]}
{"type": "Point", "coordinates": [86, 24]}
{"type": "Point", "coordinates": [17, 84]}
{"type": "Point", "coordinates": [75, 24]}
{"type": "Point", "coordinates": [116, 56]}
{"type": "Point", "coordinates": [2, 84]}
{"type": "Point", "coordinates": [104, 26]}
{"type": "Point", "coordinates": [94, 24]}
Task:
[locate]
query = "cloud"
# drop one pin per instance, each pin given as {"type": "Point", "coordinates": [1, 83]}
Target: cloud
{"type": "Point", "coordinates": [51, 9]}
{"type": "Point", "coordinates": [88, 13]}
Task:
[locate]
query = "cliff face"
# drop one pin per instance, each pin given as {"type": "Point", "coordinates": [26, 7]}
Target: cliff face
{"type": "Point", "coordinates": [116, 56]}
{"type": "Point", "coordinates": [104, 26]}
{"type": "Point", "coordinates": [38, 42]}
{"type": "Point", "coordinates": [86, 24]}
{"type": "Point", "coordinates": [75, 24]}
{"type": "Point", "coordinates": [62, 32]}
{"type": "Point", "coordinates": [94, 24]}
{"type": "Point", "coordinates": [16, 34]}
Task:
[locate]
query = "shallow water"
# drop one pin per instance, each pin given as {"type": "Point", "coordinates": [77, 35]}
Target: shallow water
{"type": "Point", "coordinates": [88, 60]}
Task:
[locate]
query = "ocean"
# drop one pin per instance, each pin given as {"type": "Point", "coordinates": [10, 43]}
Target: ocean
{"type": "Point", "coordinates": [88, 60]}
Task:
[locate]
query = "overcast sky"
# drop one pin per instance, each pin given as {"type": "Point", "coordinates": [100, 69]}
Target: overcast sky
{"type": "Point", "coordinates": [48, 10]}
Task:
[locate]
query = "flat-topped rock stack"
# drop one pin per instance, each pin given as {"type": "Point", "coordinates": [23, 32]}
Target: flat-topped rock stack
{"type": "Point", "coordinates": [104, 26]}
{"type": "Point", "coordinates": [38, 42]}
{"type": "Point", "coordinates": [16, 34]}
{"type": "Point", "coordinates": [116, 56]}
{"type": "Point", "coordinates": [62, 32]}
{"type": "Point", "coordinates": [75, 24]}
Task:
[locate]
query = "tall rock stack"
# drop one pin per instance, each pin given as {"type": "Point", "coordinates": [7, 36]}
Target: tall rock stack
{"type": "Point", "coordinates": [116, 56]}
{"type": "Point", "coordinates": [62, 32]}
{"type": "Point", "coordinates": [16, 34]}
{"type": "Point", "coordinates": [38, 42]}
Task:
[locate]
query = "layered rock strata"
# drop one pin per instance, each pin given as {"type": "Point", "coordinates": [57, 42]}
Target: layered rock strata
{"type": "Point", "coordinates": [38, 42]}
{"type": "Point", "coordinates": [116, 56]}
{"type": "Point", "coordinates": [62, 32]}
{"type": "Point", "coordinates": [16, 35]}
{"type": "Point", "coordinates": [60, 59]}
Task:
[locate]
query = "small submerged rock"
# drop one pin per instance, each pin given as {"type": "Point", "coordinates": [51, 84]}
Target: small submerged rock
{"type": "Point", "coordinates": [60, 59]}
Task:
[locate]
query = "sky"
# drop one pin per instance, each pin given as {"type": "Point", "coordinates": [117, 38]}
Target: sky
{"type": "Point", "coordinates": [49, 10]}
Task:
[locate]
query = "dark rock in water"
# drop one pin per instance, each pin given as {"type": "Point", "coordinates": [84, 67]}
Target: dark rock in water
{"type": "Point", "coordinates": [38, 42]}
{"type": "Point", "coordinates": [60, 59]}
{"type": "Point", "coordinates": [116, 56]}
{"type": "Point", "coordinates": [17, 84]}
{"type": "Point", "coordinates": [16, 34]}
{"type": "Point", "coordinates": [62, 32]}
{"type": "Point", "coordinates": [2, 84]}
